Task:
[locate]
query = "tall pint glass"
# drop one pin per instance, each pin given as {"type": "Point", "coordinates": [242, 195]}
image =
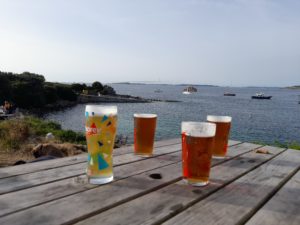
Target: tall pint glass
{"type": "Point", "coordinates": [223, 124]}
{"type": "Point", "coordinates": [100, 127]}
{"type": "Point", "coordinates": [197, 144]}
{"type": "Point", "coordinates": [144, 132]}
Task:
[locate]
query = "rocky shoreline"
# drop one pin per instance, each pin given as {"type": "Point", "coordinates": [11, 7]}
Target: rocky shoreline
{"type": "Point", "coordinates": [82, 98]}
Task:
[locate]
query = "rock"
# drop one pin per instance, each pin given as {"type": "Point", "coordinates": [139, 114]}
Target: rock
{"type": "Point", "coordinates": [20, 162]}
{"type": "Point", "coordinates": [57, 150]}
{"type": "Point", "coordinates": [49, 136]}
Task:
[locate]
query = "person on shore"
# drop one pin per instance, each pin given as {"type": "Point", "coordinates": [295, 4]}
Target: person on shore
{"type": "Point", "coordinates": [8, 107]}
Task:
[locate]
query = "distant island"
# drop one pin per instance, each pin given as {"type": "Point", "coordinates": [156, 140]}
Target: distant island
{"type": "Point", "coordinates": [197, 85]}
{"type": "Point", "coordinates": [140, 83]}
{"type": "Point", "coordinates": [295, 87]}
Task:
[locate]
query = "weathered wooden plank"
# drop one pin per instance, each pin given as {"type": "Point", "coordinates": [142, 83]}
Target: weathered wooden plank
{"type": "Point", "coordinates": [236, 202]}
{"type": "Point", "coordinates": [233, 142]}
{"type": "Point", "coordinates": [13, 183]}
{"type": "Point", "coordinates": [44, 165]}
{"type": "Point", "coordinates": [90, 202]}
{"type": "Point", "coordinates": [283, 208]}
{"type": "Point", "coordinates": [163, 203]}
{"type": "Point", "coordinates": [29, 197]}
{"type": "Point", "coordinates": [18, 200]}
{"type": "Point", "coordinates": [45, 176]}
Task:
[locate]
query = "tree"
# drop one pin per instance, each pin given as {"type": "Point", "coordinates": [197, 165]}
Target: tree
{"type": "Point", "coordinates": [78, 88]}
{"type": "Point", "coordinates": [108, 90]}
{"type": "Point", "coordinates": [97, 86]}
{"type": "Point", "coordinates": [5, 89]}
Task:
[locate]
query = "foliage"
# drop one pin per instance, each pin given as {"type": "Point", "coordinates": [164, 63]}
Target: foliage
{"type": "Point", "coordinates": [288, 144]}
{"type": "Point", "coordinates": [14, 132]}
{"type": "Point", "coordinates": [29, 90]}
{"type": "Point", "coordinates": [78, 88]}
{"type": "Point", "coordinates": [97, 86]}
{"type": "Point", "coordinates": [108, 90]}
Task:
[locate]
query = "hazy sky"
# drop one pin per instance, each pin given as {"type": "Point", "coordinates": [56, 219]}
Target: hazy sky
{"type": "Point", "coordinates": [221, 42]}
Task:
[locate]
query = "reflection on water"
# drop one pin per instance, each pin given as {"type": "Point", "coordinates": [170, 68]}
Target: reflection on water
{"type": "Point", "coordinates": [253, 120]}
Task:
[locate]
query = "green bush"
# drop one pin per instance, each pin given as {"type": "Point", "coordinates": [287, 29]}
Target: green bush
{"type": "Point", "coordinates": [70, 136]}
{"type": "Point", "coordinates": [15, 132]}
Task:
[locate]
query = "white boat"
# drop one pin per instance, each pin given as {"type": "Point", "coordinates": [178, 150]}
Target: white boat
{"type": "Point", "coordinates": [186, 92]}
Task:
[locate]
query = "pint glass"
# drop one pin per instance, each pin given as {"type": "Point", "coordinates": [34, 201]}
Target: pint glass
{"type": "Point", "coordinates": [144, 132]}
{"type": "Point", "coordinates": [100, 129]}
{"type": "Point", "coordinates": [223, 124]}
{"type": "Point", "coordinates": [197, 144]}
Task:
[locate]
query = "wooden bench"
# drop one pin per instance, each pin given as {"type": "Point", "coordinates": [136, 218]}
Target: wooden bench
{"type": "Point", "coordinates": [245, 188]}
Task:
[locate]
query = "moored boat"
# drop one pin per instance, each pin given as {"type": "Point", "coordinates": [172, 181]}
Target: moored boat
{"type": "Point", "coordinates": [229, 94]}
{"type": "Point", "coordinates": [261, 96]}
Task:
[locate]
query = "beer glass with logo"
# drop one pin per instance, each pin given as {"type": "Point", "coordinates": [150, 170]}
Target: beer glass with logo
{"type": "Point", "coordinates": [144, 132]}
{"type": "Point", "coordinates": [197, 144]}
{"type": "Point", "coordinates": [223, 124]}
{"type": "Point", "coordinates": [100, 127]}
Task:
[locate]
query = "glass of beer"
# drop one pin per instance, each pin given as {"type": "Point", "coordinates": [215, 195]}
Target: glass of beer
{"type": "Point", "coordinates": [223, 124]}
{"type": "Point", "coordinates": [144, 132]}
{"type": "Point", "coordinates": [197, 144]}
{"type": "Point", "coordinates": [100, 129]}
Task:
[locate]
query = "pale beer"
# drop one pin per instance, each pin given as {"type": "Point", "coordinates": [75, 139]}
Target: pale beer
{"type": "Point", "coordinates": [101, 128]}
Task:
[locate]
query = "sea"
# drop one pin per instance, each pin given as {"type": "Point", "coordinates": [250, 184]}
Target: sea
{"type": "Point", "coordinates": [259, 121]}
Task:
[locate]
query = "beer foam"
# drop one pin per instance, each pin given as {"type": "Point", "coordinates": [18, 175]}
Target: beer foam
{"type": "Point", "coordinates": [144, 115]}
{"type": "Point", "coordinates": [220, 119]}
{"type": "Point", "coordinates": [101, 110]}
{"type": "Point", "coordinates": [198, 129]}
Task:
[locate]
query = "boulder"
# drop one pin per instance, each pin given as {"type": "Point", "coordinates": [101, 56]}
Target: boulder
{"type": "Point", "coordinates": [57, 150]}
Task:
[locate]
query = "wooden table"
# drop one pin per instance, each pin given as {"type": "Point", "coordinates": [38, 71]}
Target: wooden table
{"type": "Point", "coordinates": [246, 187]}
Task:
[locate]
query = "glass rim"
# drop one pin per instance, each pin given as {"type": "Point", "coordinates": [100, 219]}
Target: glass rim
{"type": "Point", "coordinates": [144, 115]}
{"type": "Point", "coordinates": [102, 109]}
{"type": "Point", "coordinates": [220, 119]}
{"type": "Point", "coordinates": [198, 129]}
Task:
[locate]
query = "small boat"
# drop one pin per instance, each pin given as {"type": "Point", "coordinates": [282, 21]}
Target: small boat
{"type": "Point", "coordinates": [260, 96]}
{"type": "Point", "coordinates": [189, 90]}
{"type": "Point", "coordinates": [158, 91]}
{"type": "Point", "coordinates": [229, 94]}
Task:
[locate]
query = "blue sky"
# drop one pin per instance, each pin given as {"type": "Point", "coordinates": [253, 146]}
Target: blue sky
{"type": "Point", "coordinates": [221, 42]}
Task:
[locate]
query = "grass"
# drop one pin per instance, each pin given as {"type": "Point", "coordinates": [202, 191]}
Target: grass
{"type": "Point", "coordinates": [288, 144]}
{"type": "Point", "coordinates": [16, 132]}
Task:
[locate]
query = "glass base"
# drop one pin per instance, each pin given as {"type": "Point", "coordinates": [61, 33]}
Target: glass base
{"type": "Point", "coordinates": [218, 157]}
{"type": "Point", "coordinates": [197, 183]}
{"type": "Point", "coordinates": [100, 180]}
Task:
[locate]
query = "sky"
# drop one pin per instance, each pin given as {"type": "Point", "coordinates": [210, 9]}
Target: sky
{"type": "Point", "coordinates": [219, 42]}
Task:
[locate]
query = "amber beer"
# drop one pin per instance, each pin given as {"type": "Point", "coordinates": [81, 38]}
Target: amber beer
{"type": "Point", "coordinates": [197, 144]}
{"type": "Point", "coordinates": [223, 124]}
{"type": "Point", "coordinates": [144, 132]}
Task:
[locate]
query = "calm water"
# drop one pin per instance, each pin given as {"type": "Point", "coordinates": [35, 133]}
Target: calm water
{"type": "Point", "coordinates": [253, 120]}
